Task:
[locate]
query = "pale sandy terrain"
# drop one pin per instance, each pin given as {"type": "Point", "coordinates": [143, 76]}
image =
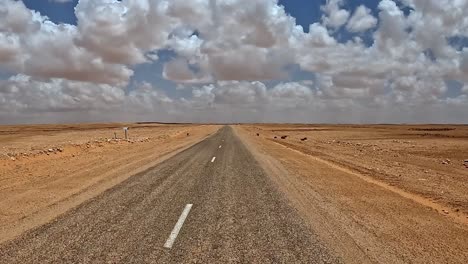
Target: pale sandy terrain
{"type": "Point", "coordinates": [424, 160]}
{"type": "Point", "coordinates": [386, 194]}
{"type": "Point", "coordinates": [47, 169]}
{"type": "Point", "coordinates": [372, 194]}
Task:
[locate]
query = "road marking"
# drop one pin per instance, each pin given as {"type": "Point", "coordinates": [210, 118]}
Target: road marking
{"type": "Point", "coordinates": [213, 159]}
{"type": "Point", "coordinates": [219, 146]}
{"type": "Point", "coordinates": [177, 227]}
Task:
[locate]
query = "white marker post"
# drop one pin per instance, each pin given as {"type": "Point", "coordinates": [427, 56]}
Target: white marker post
{"type": "Point", "coordinates": [126, 132]}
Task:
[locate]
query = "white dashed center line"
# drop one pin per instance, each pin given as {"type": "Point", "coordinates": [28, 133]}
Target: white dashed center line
{"type": "Point", "coordinates": [213, 159]}
{"type": "Point", "coordinates": [175, 232]}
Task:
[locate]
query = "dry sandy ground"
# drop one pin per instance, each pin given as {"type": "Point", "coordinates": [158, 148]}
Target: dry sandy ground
{"type": "Point", "coordinates": [385, 194]}
{"type": "Point", "coordinates": [374, 194]}
{"type": "Point", "coordinates": [47, 169]}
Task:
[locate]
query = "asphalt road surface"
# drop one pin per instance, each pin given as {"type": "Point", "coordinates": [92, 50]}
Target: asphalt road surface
{"type": "Point", "coordinates": [209, 204]}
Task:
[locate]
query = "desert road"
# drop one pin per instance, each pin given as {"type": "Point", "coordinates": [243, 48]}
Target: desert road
{"type": "Point", "coordinates": [211, 203]}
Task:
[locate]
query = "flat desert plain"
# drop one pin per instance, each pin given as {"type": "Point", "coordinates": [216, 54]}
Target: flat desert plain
{"type": "Point", "coordinates": [392, 193]}
{"type": "Point", "coordinates": [429, 161]}
{"type": "Point", "coordinates": [47, 169]}
{"type": "Point", "coordinates": [370, 193]}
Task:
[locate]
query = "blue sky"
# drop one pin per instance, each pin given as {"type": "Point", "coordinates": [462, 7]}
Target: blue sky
{"type": "Point", "coordinates": [305, 12]}
{"type": "Point", "coordinates": [308, 12]}
{"type": "Point", "coordinates": [57, 12]}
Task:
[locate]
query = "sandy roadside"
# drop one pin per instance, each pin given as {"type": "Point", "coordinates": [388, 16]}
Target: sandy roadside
{"type": "Point", "coordinates": [426, 161]}
{"type": "Point", "coordinates": [362, 221]}
{"type": "Point", "coordinates": [44, 180]}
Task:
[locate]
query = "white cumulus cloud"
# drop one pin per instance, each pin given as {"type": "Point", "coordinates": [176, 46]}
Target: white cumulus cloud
{"type": "Point", "coordinates": [335, 16]}
{"type": "Point", "coordinates": [362, 20]}
{"type": "Point", "coordinates": [234, 58]}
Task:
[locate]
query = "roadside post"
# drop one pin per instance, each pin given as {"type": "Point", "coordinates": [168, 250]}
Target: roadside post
{"type": "Point", "coordinates": [126, 132]}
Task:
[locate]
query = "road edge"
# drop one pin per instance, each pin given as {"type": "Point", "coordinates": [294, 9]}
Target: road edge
{"type": "Point", "coordinates": [57, 209]}
{"type": "Point", "coordinates": [344, 247]}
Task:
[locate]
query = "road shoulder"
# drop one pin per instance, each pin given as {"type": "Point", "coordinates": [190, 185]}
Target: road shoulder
{"type": "Point", "coordinates": [362, 222]}
{"type": "Point", "coordinates": [37, 205]}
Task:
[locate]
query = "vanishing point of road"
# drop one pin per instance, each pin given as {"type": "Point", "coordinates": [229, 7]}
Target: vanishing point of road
{"type": "Point", "coordinates": [211, 203]}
